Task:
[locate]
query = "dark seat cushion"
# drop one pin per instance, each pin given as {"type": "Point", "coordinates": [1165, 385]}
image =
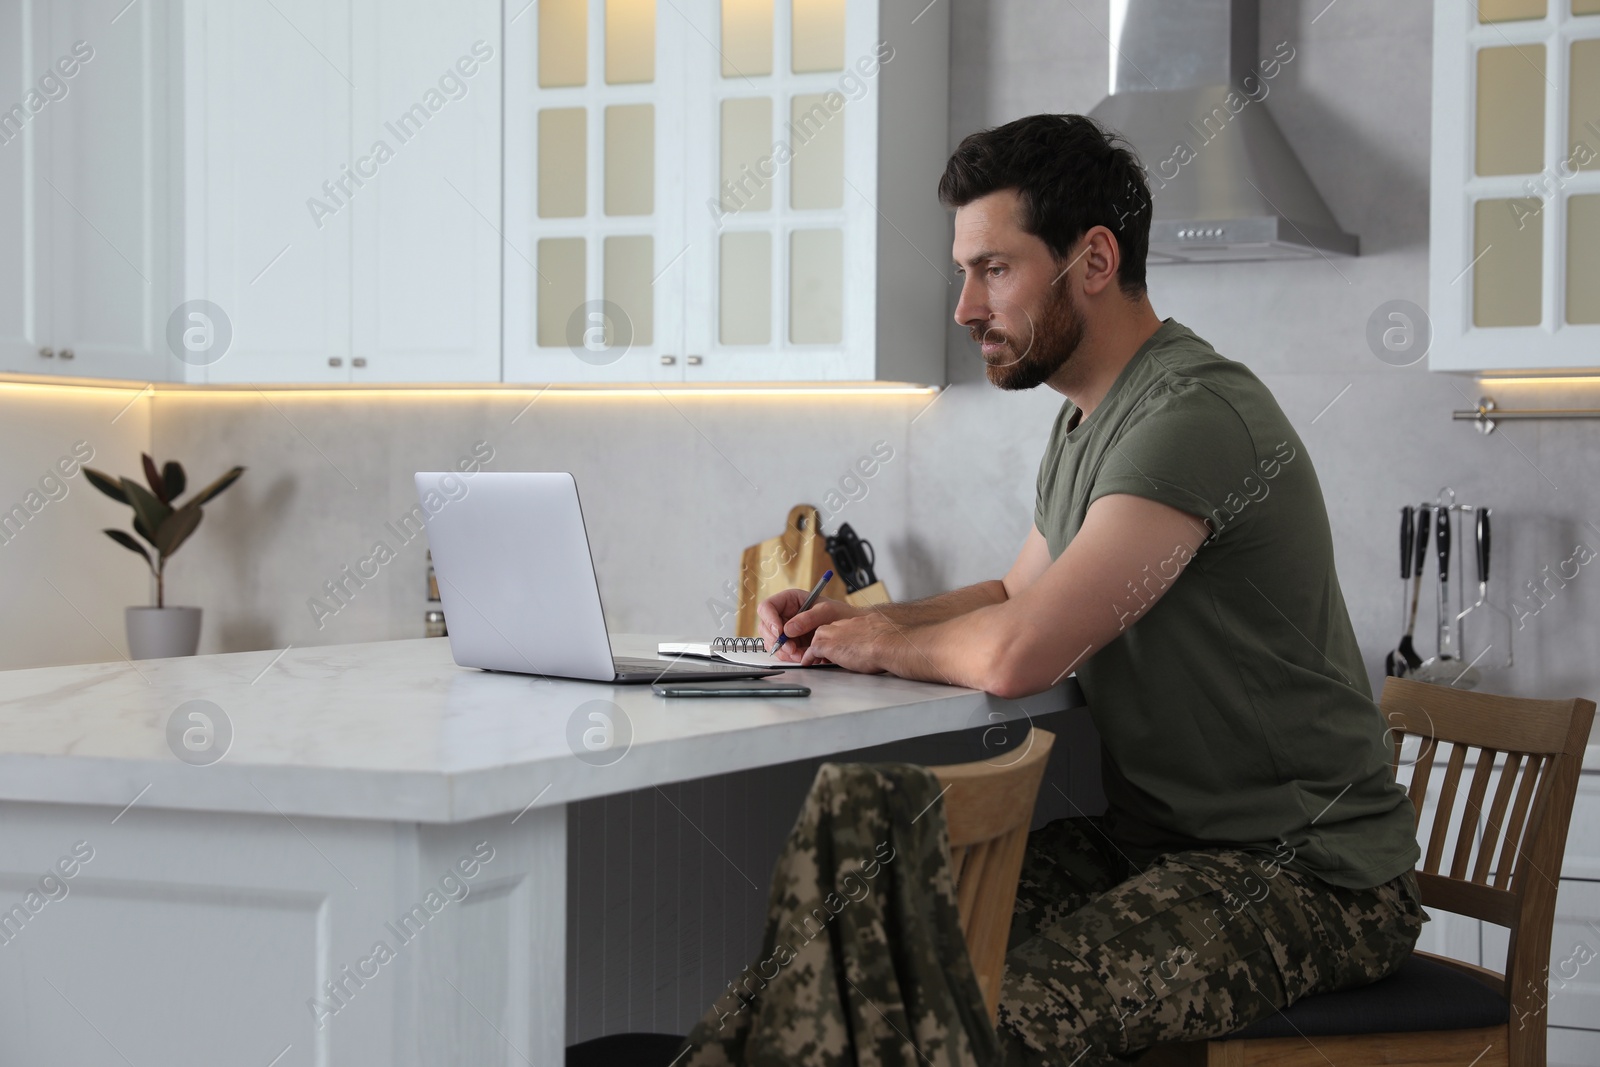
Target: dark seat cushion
{"type": "Point", "coordinates": [1421, 995]}
{"type": "Point", "coordinates": [625, 1050]}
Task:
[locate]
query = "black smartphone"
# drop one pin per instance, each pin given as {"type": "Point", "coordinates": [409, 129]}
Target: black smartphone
{"type": "Point", "coordinates": [746, 688]}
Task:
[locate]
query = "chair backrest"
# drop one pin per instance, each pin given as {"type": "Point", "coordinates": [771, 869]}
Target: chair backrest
{"type": "Point", "coordinates": [1504, 859]}
{"type": "Point", "coordinates": [988, 806]}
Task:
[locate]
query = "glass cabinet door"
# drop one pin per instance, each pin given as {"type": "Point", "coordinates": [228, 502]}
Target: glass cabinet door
{"type": "Point", "coordinates": [692, 191]}
{"type": "Point", "coordinates": [1515, 276]}
{"type": "Point", "coordinates": [781, 161]}
{"type": "Point", "coordinates": [593, 182]}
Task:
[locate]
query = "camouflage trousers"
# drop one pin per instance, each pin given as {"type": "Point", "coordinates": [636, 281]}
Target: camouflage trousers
{"type": "Point", "coordinates": [1106, 960]}
{"type": "Point", "coordinates": [863, 963]}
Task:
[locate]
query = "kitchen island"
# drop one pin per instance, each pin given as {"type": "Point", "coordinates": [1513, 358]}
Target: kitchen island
{"type": "Point", "coordinates": [351, 854]}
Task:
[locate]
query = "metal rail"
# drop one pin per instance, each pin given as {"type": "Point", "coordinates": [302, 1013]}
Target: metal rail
{"type": "Point", "coordinates": [1487, 414]}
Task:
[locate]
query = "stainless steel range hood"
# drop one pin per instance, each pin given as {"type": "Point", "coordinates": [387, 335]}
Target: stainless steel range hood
{"type": "Point", "coordinates": [1188, 92]}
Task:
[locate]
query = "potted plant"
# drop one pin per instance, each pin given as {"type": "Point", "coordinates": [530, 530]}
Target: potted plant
{"type": "Point", "coordinates": [164, 524]}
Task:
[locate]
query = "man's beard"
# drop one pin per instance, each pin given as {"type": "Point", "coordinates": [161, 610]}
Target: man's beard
{"type": "Point", "coordinates": [1056, 337]}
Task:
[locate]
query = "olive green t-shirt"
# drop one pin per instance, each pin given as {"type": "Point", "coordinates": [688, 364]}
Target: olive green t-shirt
{"type": "Point", "coordinates": [1235, 710]}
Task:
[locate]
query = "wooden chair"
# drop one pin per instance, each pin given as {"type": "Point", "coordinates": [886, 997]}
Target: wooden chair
{"type": "Point", "coordinates": [1504, 862]}
{"type": "Point", "coordinates": [988, 806]}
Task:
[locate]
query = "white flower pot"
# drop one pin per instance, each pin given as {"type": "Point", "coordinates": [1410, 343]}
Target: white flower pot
{"type": "Point", "coordinates": [157, 633]}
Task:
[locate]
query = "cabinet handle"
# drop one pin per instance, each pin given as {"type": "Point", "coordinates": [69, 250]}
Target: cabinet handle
{"type": "Point", "coordinates": [66, 353]}
{"type": "Point", "coordinates": [359, 361]}
{"type": "Point", "coordinates": [47, 353]}
{"type": "Point", "coordinates": [335, 361]}
{"type": "Point", "coordinates": [695, 361]}
{"type": "Point", "coordinates": [667, 361]}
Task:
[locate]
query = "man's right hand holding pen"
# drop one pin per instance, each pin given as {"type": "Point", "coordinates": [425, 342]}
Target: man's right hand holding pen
{"type": "Point", "coordinates": [787, 620]}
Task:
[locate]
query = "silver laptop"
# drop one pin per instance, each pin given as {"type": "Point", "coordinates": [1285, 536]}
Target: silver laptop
{"type": "Point", "coordinates": [512, 558]}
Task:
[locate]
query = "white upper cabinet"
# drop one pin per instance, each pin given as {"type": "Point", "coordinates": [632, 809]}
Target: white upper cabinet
{"type": "Point", "coordinates": [267, 107]}
{"type": "Point", "coordinates": [1515, 234]}
{"type": "Point", "coordinates": [726, 191]}
{"type": "Point", "coordinates": [374, 191]}
{"type": "Point", "coordinates": [344, 170]}
{"type": "Point", "coordinates": [426, 225]}
{"type": "Point", "coordinates": [84, 208]}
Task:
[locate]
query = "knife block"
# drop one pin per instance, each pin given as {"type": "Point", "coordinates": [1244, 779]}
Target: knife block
{"type": "Point", "coordinates": [795, 559]}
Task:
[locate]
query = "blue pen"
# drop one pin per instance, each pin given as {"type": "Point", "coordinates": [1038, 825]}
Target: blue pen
{"type": "Point", "coordinates": [816, 591]}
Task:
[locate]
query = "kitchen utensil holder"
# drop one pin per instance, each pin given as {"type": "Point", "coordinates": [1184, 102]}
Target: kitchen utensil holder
{"type": "Point", "coordinates": [1462, 574]}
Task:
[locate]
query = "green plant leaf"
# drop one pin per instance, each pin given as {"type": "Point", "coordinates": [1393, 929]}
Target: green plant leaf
{"type": "Point", "coordinates": [143, 531]}
{"type": "Point", "coordinates": [215, 488]}
{"type": "Point", "coordinates": [153, 477]}
{"type": "Point", "coordinates": [111, 487]}
{"type": "Point", "coordinates": [176, 530]}
{"type": "Point", "coordinates": [122, 538]}
{"type": "Point", "coordinates": [174, 479]}
{"type": "Point", "coordinates": [149, 511]}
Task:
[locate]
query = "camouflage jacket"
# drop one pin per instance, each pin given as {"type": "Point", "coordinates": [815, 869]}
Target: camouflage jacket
{"type": "Point", "coordinates": [863, 963]}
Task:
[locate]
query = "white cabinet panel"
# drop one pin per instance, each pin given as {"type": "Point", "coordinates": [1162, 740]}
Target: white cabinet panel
{"type": "Point", "coordinates": [1572, 1048]}
{"type": "Point", "coordinates": [108, 175]}
{"type": "Point", "coordinates": [426, 145]}
{"type": "Point", "coordinates": [268, 112]}
{"type": "Point", "coordinates": [83, 180]}
{"type": "Point", "coordinates": [1583, 833]}
{"type": "Point", "coordinates": [215, 911]}
{"type": "Point", "coordinates": [25, 199]}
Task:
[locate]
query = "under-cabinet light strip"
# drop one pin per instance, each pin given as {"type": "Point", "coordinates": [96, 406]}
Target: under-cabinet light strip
{"type": "Point", "coordinates": [1565, 379]}
{"type": "Point", "coordinates": [173, 390]}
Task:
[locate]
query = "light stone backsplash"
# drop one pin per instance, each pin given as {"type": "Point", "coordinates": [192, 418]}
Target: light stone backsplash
{"type": "Point", "coordinates": [672, 492]}
{"type": "Point", "coordinates": [63, 583]}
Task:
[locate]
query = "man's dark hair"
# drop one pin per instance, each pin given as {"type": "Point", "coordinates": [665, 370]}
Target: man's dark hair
{"type": "Point", "coordinates": [1070, 173]}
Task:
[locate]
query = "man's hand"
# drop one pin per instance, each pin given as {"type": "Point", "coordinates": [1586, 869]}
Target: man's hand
{"type": "Point", "coordinates": [780, 613]}
{"type": "Point", "coordinates": [861, 643]}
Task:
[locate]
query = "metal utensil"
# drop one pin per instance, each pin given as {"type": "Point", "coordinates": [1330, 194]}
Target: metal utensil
{"type": "Point", "coordinates": [1419, 556]}
{"type": "Point", "coordinates": [1496, 621]}
{"type": "Point", "coordinates": [1394, 664]}
{"type": "Point", "coordinates": [1442, 540]}
{"type": "Point", "coordinates": [1481, 538]}
{"type": "Point", "coordinates": [1443, 667]}
{"type": "Point", "coordinates": [1468, 676]}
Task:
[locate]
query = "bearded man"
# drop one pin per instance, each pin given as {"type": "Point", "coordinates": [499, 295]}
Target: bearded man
{"type": "Point", "coordinates": [1255, 848]}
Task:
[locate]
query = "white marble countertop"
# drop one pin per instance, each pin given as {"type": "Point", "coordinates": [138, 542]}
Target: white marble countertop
{"type": "Point", "coordinates": [396, 731]}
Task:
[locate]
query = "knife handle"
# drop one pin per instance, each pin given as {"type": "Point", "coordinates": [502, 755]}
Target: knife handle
{"type": "Point", "coordinates": [1483, 544]}
{"type": "Point", "coordinates": [1420, 547]}
{"type": "Point", "coordinates": [1407, 522]}
{"type": "Point", "coordinates": [1442, 536]}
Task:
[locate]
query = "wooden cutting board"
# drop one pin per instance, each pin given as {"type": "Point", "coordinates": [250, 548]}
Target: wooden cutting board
{"type": "Point", "coordinates": [794, 559]}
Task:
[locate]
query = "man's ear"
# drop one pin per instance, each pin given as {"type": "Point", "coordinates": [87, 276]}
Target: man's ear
{"type": "Point", "coordinates": [1101, 259]}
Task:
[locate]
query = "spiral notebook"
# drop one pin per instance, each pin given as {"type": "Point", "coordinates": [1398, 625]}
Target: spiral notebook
{"type": "Point", "coordinates": [745, 651]}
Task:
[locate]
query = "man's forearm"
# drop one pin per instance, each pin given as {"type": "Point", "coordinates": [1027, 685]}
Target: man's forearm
{"type": "Point", "coordinates": [944, 606]}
